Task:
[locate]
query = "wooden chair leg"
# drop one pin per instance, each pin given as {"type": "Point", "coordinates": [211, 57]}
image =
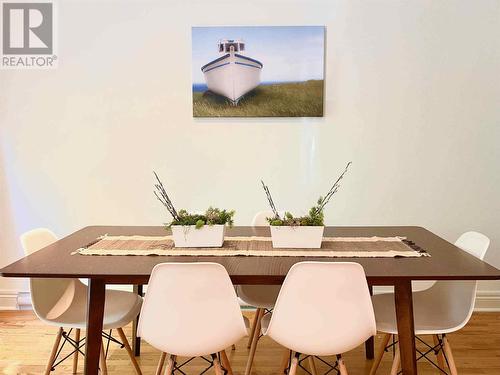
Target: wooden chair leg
{"type": "Point", "coordinates": [255, 339]}
{"type": "Point", "coordinates": [293, 366]}
{"type": "Point", "coordinates": [284, 361]}
{"type": "Point", "coordinates": [312, 365]}
{"type": "Point", "coordinates": [129, 351]}
{"type": "Point", "coordinates": [217, 366]}
{"type": "Point", "coordinates": [342, 368]}
{"type": "Point", "coordinates": [226, 363]}
{"type": "Point", "coordinates": [252, 329]}
{"type": "Point", "coordinates": [378, 356]}
{"type": "Point", "coordinates": [439, 355]}
{"type": "Point", "coordinates": [54, 351]}
{"type": "Point", "coordinates": [170, 364]}
{"type": "Point", "coordinates": [161, 363]}
{"type": "Point", "coordinates": [449, 356]}
{"type": "Point", "coordinates": [396, 362]}
{"type": "Point", "coordinates": [75, 356]}
{"type": "Point", "coordinates": [104, 366]}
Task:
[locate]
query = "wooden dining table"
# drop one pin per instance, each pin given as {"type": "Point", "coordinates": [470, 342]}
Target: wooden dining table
{"type": "Point", "coordinates": [446, 262]}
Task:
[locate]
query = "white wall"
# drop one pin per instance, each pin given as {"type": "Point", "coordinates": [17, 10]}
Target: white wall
{"type": "Point", "coordinates": [412, 98]}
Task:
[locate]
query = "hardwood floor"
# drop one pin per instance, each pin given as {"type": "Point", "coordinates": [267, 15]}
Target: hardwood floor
{"type": "Point", "coordinates": [25, 345]}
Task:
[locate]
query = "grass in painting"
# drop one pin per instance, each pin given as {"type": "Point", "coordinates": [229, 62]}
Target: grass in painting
{"type": "Point", "coordinates": [300, 99]}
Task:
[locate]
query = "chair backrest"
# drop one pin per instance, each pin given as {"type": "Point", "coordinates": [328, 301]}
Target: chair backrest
{"type": "Point", "coordinates": [324, 308]}
{"type": "Point", "coordinates": [191, 309]}
{"type": "Point", "coordinates": [454, 300]}
{"type": "Point", "coordinates": [260, 218]}
{"type": "Point", "coordinates": [50, 297]}
{"type": "Point", "coordinates": [474, 243]}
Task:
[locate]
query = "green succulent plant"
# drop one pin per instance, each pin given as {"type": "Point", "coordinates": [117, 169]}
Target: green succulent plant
{"type": "Point", "coordinates": [212, 216]}
{"type": "Point", "coordinates": [314, 218]}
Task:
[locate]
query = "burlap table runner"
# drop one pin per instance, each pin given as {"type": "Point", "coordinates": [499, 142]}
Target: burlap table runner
{"type": "Point", "coordinates": [332, 247]}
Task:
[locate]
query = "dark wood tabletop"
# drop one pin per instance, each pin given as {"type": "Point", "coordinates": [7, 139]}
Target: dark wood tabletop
{"type": "Point", "coordinates": [446, 261]}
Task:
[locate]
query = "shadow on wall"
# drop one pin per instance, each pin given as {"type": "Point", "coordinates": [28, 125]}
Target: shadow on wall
{"type": "Point", "coordinates": [10, 250]}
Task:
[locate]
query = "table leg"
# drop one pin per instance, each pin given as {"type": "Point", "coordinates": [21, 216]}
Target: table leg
{"type": "Point", "coordinates": [370, 343]}
{"type": "Point", "coordinates": [406, 331]}
{"type": "Point", "coordinates": [136, 341]}
{"type": "Point", "coordinates": [95, 314]}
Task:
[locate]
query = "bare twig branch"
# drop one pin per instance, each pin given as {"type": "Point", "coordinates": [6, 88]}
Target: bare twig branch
{"type": "Point", "coordinates": [162, 196]}
{"type": "Point", "coordinates": [270, 200]}
{"type": "Point", "coordinates": [335, 187]}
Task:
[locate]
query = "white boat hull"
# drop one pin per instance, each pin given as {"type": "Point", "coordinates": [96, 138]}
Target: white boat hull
{"type": "Point", "coordinates": [232, 76]}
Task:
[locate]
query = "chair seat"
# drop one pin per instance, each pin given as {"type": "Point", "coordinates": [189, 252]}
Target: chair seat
{"type": "Point", "coordinates": [266, 319]}
{"type": "Point", "coordinates": [429, 316]}
{"type": "Point", "coordinates": [247, 323]}
{"type": "Point", "coordinates": [120, 309]}
{"type": "Point", "coordinates": [260, 296]}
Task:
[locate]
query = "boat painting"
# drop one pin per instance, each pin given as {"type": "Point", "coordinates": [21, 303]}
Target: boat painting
{"type": "Point", "coordinates": [257, 71]}
{"type": "Point", "coordinates": [233, 74]}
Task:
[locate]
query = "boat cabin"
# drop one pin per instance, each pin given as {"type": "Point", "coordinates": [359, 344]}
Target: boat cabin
{"type": "Point", "coordinates": [230, 45]}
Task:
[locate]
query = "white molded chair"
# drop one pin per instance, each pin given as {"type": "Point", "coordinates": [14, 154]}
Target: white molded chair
{"type": "Point", "coordinates": [323, 309]}
{"type": "Point", "coordinates": [63, 303]}
{"type": "Point", "coordinates": [191, 310]}
{"type": "Point", "coordinates": [443, 308]}
{"type": "Point", "coordinates": [263, 297]}
{"type": "Point", "coordinates": [260, 218]}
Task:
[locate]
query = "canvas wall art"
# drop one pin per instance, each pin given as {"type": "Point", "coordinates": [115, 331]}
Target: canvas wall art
{"type": "Point", "coordinates": [258, 71]}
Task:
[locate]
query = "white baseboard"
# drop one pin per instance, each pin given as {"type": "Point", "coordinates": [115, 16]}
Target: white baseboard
{"type": "Point", "coordinates": [14, 300]}
{"type": "Point", "coordinates": [24, 301]}
{"type": "Point", "coordinates": [8, 300]}
{"type": "Point", "coordinates": [486, 300]}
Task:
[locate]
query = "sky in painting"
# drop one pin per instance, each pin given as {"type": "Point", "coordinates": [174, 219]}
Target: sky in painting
{"type": "Point", "coordinates": [289, 53]}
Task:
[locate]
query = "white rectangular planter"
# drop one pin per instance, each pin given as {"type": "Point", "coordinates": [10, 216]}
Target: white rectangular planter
{"type": "Point", "coordinates": [206, 236]}
{"type": "Point", "coordinates": [297, 237]}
